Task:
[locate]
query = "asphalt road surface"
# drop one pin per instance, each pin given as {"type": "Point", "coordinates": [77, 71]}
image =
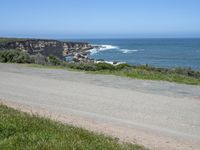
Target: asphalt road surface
{"type": "Point", "coordinates": [156, 114]}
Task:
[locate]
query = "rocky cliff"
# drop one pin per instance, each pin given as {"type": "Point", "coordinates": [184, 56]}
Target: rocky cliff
{"type": "Point", "coordinates": [46, 47]}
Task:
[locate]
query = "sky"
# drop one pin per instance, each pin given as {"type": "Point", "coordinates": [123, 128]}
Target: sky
{"type": "Point", "coordinates": [100, 18]}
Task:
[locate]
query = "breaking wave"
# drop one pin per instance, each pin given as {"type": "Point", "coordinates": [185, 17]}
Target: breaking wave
{"type": "Point", "coordinates": [99, 48]}
{"type": "Point", "coordinates": [102, 48]}
{"type": "Point", "coordinates": [125, 51]}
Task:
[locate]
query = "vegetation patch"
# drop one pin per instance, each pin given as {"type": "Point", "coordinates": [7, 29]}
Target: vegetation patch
{"type": "Point", "coordinates": [179, 75]}
{"type": "Point", "coordinates": [14, 56]}
{"type": "Point", "coordinates": [21, 131]}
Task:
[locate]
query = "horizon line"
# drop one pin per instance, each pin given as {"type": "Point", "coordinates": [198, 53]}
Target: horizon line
{"type": "Point", "coordinates": [96, 38]}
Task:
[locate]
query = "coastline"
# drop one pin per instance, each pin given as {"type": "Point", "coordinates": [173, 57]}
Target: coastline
{"type": "Point", "coordinates": [101, 50]}
{"type": "Point", "coordinates": [159, 52]}
{"type": "Point", "coordinates": [50, 53]}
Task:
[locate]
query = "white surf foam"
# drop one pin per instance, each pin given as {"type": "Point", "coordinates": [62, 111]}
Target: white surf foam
{"type": "Point", "coordinates": [125, 51]}
{"type": "Point", "coordinates": [99, 48]}
{"type": "Point", "coordinates": [107, 47]}
{"type": "Point", "coordinates": [102, 48]}
{"type": "Point", "coordinates": [110, 62]}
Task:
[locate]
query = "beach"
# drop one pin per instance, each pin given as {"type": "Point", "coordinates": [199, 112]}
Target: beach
{"type": "Point", "coordinates": [156, 114]}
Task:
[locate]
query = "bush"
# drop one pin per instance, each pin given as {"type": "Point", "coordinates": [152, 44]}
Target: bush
{"type": "Point", "coordinates": [123, 66]}
{"type": "Point", "coordinates": [14, 56]}
{"type": "Point", "coordinates": [187, 72]}
{"type": "Point", "coordinates": [104, 66]}
{"type": "Point", "coordinates": [87, 67]}
{"type": "Point", "coordinates": [53, 60]}
{"type": "Point", "coordinates": [90, 66]}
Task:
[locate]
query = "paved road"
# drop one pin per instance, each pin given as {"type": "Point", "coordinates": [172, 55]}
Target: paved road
{"type": "Point", "coordinates": [159, 115]}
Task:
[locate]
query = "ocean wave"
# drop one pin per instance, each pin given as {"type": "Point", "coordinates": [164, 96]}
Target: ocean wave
{"type": "Point", "coordinates": [99, 48]}
{"type": "Point", "coordinates": [110, 62]}
{"type": "Point", "coordinates": [125, 51]}
{"type": "Point", "coordinates": [107, 47]}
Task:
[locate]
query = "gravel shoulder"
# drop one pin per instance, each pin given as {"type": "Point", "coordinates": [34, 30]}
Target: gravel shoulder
{"type": "Point", "coordinates": [156, 114]}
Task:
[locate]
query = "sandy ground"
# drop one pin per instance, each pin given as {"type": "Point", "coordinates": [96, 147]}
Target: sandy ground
{"type": "Point", "coordinates": [158, 115]}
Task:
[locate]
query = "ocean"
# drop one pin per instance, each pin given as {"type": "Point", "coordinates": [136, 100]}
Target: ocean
{"type": "Point", "coordinates": [168, 53]}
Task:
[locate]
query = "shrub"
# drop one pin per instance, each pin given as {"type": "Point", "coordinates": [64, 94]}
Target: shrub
{"type": "Point", "coordinates": [14, 56]}
{"type": "Point", "coordinates": [187, 72]}
{"type": "Point", "coordinates": [53, 60]}
{"type": "Point", "coordinates": [146, 67]}
{"type": "Point", "coordinates": [88, 67]}
{"type": "Point", "coordinates": [104, 66]}
{"type": "Point", "coordinates": [122, 66]}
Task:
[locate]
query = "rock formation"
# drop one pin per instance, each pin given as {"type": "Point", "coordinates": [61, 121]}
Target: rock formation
{"type": "Point", "coordinates": [47, 47]}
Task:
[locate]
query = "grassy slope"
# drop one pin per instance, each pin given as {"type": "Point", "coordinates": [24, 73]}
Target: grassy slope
{"type": "Point", "coordinates": [19, 130]}
{"type": "Point", "coordinates": [138, 73]}
{"type": "Point", "coordinates": [151, 75]}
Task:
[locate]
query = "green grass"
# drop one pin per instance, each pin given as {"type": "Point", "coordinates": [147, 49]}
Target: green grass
{"type": "Point", "coordinates": [178, 75]}
{"type": "Point", "coordinates": [152, 75]}
{"type": "Point", "coordinates": [21, 131]}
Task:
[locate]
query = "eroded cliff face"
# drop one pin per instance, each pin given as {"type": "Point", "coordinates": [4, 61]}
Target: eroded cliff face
{"type": "Point", "coordinates": [47, 47]}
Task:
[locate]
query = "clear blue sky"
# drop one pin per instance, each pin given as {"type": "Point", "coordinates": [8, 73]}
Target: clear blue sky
{"type": "Point", "coordinates": [100, 18]}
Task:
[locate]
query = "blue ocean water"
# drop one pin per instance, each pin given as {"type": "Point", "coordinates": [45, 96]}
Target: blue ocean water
{"type": "Point", "coordinates": [156, 52]}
